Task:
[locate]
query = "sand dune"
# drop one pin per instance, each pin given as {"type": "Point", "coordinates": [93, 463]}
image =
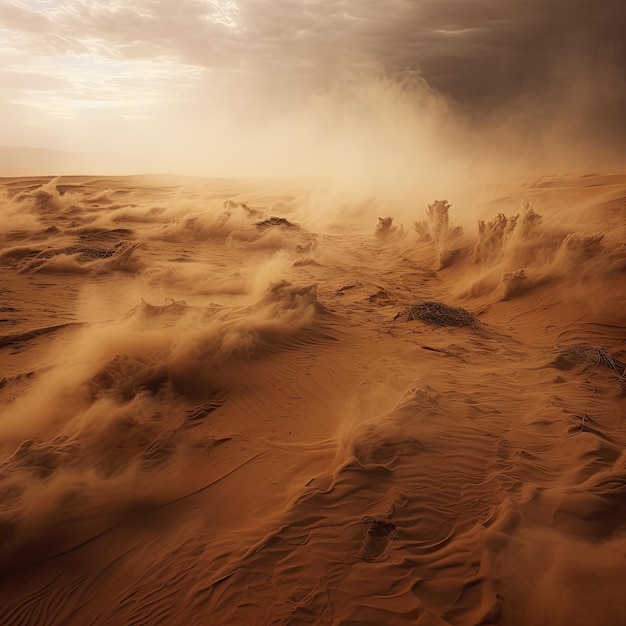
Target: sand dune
{"type": "Point", "coordinates": [216, 410]}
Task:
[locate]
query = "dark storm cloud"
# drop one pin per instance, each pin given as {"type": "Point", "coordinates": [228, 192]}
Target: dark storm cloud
{"type": "Point", "coordinates": [470, 48]}
{"type": "Point", "coordinates": [479, 52]}
{"type": "Point", "coordinates": [482, 50]}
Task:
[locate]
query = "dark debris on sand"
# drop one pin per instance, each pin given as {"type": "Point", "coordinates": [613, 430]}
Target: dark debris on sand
{"type": "Point", "coordinates": [439, 314]}
{"type": "Point", "coordinates": [569, 356]}
{"type": "Point", "coordinates": [276, 221]}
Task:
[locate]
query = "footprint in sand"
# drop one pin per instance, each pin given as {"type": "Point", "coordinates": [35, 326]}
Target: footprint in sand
{"type": "Point", "coordinates": [377, 542]}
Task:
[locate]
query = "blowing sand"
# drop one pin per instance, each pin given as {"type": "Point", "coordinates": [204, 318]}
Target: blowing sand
{"type": "Point", "coordinates": [209, 415]}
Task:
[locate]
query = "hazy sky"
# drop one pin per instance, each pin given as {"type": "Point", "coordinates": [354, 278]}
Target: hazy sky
{"type": "Point", "coordinates": [173, 75]}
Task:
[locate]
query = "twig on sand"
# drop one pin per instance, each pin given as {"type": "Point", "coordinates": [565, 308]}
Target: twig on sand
{"type": "Point", "coordinates": [585, 353]}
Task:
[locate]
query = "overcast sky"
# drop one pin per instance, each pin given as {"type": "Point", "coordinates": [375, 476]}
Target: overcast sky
{"type": "Point", "coordinates": [90, 75]}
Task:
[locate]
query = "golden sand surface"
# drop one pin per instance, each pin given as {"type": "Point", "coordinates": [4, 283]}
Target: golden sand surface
{"type": "Point", "coordinates": [221, 405]}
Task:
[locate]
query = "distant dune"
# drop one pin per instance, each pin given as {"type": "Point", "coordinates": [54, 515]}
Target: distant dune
{"type": "Point", "coordinates": [223, 404]}
{"type": "Point", "coordinates": [22, 161]}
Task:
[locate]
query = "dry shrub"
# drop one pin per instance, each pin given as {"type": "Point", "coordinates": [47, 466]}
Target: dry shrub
{"type": "Point", "coordinates": [436, 226]}
{"type": "Point", "coordinates": [569, 356]}
{"type": "Point", "coordinates": [584, 353]}
{"type": "Point", "coordinates": [276, 221]}
{"type": "Point", "coordinates": [513, 284]}
{"type": "Point", "coordinates": [496, 236]}
{"type": "Point", "coordinates": [439, 314]}
{"type": "Point", "coordinates": [578, 248]}
{"type": "Point", "coordinates": [385, 228]}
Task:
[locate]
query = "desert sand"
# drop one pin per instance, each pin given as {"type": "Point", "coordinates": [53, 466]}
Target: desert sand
{"type": "Point", "coordinates": [217, 407]}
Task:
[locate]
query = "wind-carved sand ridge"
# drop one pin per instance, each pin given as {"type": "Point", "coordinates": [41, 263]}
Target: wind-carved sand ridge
{"type": "Point", "coordinates": [212, 411]}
